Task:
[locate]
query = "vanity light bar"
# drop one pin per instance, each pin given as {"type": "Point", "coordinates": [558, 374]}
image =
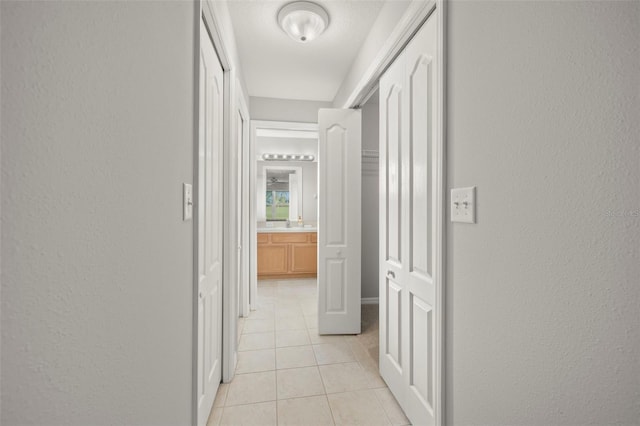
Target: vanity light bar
{"type": "Point", "coordinates": [287, 157]}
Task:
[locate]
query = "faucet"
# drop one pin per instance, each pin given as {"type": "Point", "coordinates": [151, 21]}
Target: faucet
{"type": "Point", "coordinates": [288, 223]}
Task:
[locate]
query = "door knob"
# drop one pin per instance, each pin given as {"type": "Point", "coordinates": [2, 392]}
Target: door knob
{"type": "Point", "coordinates": [391, 274]}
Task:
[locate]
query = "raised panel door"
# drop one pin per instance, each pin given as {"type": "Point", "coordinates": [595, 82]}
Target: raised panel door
{"type": "Point", "coordinates": [409, 208]}
{"type": "Point", "coordinates": [339, 202]}
{"type": "Point", "coordinates": [209, 227]}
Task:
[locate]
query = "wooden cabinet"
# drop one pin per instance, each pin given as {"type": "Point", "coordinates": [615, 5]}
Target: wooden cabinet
{"type": "Point", "coordinates": [303, 258]}
{"type": "Point", "coordinates": [287, 255]}
{"type": "Point", "coordinates": [272, 259]}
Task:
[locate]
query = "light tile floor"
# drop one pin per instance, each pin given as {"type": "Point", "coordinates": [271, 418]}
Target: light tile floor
{"type": "Point", "coordinates": [287, 374]}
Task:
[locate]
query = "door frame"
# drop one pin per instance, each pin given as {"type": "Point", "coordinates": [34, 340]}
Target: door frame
{"type": "Point", "coordinates": [415, 15]}
{"type": "Point", "coordinates": [256, 126]}
{"type": "Point", "coordinates": [243, 192]}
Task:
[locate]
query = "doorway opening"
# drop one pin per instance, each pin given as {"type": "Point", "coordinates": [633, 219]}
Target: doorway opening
{"type": "Point", "coordinates": [283, 207]}
{"type": "Point", "coordinates": [283, 203]}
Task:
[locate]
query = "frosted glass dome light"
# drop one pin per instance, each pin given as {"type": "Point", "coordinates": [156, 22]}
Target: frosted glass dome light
{"type": "Point", "coordinates": [303, 21]}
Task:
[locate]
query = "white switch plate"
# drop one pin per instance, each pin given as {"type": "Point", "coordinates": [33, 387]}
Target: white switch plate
{"type": "Point", "coordinates": [187, 201]}
{"type": "Point", "coordinates": [463, 205]}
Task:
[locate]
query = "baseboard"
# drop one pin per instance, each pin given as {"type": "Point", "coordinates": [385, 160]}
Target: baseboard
{"type": "Point", "coordinates": [369, 301]}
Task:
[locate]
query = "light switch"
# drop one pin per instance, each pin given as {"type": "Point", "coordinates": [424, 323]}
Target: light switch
{"type": "Point", "coordinates": [463, 205]}
{"type": "Point", "coordinates": [187, 197]}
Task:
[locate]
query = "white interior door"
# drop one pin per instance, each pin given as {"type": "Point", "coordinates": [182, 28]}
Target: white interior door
{"type": "Point", "coordinates": [409, 208]}
{"type": "Point", "coordinates": [339, 230]}
{"type": "Point", "coordinates": [209, 220]}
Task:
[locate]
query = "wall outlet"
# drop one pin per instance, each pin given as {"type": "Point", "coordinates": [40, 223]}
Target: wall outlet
{"type": "Point", "coordinates": [463, 205]}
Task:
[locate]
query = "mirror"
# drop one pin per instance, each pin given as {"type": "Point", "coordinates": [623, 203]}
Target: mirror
{"type": "Point", "coordinates": [278, 195]}
{"type": "Point", "coordinates": [281, 195]}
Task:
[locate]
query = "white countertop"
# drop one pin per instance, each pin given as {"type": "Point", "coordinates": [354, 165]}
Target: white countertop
{"type": "Point", "coordinates": [292, 229]}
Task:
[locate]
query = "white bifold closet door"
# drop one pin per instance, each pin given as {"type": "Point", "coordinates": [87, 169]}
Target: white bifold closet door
{"type": "Point", "coordinates": [408, 210]}
{"type": "Point", "coordinates": [339, 227]}
{"type": "Point", "coordinates": [209, 227]}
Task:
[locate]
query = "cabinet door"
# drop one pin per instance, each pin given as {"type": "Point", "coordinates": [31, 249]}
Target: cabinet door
{"type": "Point", "coordinates": [303, 258]}
{"type": "Point", "coordinates": [272, 259]}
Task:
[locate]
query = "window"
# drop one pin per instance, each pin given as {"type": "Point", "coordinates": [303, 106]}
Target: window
{"type": "Point", "coordinates": [277, 205]}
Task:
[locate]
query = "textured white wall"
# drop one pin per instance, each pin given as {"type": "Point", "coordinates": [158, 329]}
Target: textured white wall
{"type": "Point", "coordinates": [542, 293]}
{"type": "Point", "coordinates": [370, 202]}
{"type": "Point", "coordinates": [285, 109]}
{"type": "Point", "coordinates": [97, 138]}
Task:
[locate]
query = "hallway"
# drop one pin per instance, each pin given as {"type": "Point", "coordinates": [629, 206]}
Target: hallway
{"type": "Point", "coordinates": [287, 374]}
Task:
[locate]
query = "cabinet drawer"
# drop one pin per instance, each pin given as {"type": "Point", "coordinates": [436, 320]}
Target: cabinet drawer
{"type": "Point", "coordinates": [314, 238]}
{"type": "Point", "coordinates": [263, 238]}
{"type": "Point", "coordinates": [297, 237]}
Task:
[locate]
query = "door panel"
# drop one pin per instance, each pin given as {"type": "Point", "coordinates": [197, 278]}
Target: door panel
{"type": "Point", "coordinates": [409, 208]}
{"type": "Point", "coordinates": [334, 211]}
{"type": "Point", "coordinates": [339, 228]}
{"type": "Point", "coordinates": [336, 291]}
{"type": "Point", "coordinates": [209, 228]}
{"type": "Point", "coordinates": [394, 324]}
{"type": "Point", "coordinates": [420, 374]}
{"type": "Point", "coordinates": [420, 154]}
{"type": "Point", "coordinates": [393, 171]}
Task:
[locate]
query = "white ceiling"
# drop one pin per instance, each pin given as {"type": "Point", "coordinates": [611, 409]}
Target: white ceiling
{"type": "Point", "coordinates": [275, 66]}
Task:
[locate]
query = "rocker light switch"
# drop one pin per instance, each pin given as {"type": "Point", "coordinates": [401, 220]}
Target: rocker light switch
{"type": "Point", "coordinates": [187, 200]}
{"type": "Point", "coordinates": [463, 205]}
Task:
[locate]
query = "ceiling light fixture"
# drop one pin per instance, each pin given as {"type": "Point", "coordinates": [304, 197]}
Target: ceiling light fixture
{"type": "Point", "coordinates": [302, 20]}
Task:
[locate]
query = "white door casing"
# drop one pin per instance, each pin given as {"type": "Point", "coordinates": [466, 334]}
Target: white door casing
{"type": "Point", "coordinates": [242, 135]}
{"type": "Point", "coordinates": [411, 208]}
{"type": "Point", "coordinates": [339, 227]}
{"type": "Point", "coordinates": [257, 188]}
{"type": "Point", "coordinates": [209, 219]}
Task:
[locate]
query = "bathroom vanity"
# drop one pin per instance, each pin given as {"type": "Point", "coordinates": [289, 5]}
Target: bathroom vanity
{"type": "Point", "coordinates": [287, 253]}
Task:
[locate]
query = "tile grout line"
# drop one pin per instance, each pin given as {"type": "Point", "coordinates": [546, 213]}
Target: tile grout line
{"type": "Point", "coordinates": [275, 360]}
{"type": "Point", "coordinates": [384, 410]}
{"type": "Point", "coordinates": [326, 396]}
{"type": "Point", "coordinates": [276, 382]}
